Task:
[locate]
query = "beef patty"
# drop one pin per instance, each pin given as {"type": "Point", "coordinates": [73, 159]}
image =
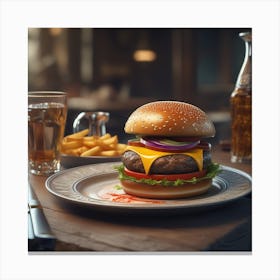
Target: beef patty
{"type": "Point", "coordinates": [170, 164]}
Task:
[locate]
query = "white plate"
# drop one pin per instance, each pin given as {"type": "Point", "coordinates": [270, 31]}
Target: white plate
{"type": "Point", "coordinates": [67, 161]}
{"type": "Point", "coordinates": [97, 186]}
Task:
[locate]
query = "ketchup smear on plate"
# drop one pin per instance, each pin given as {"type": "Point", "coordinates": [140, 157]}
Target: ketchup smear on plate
{"type": "Point", "coordinates": [126, 198]}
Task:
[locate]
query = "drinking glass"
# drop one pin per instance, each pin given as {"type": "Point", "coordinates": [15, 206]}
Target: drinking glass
{"type": "Point", "coordinates": [47, 111]}
{"type": "Point", "coordinates": [94, 121]}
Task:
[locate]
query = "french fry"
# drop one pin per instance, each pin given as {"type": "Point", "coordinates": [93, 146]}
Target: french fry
{"type": "Point", "coordinates": [80, 144]}
{"type": "Point", "coordinates": [111, 140]}
{"type": "Point", "coordinates": [91, 144]}
{"type": "Point", "coordinates": [91, 152]}
{"type": "Point", "coordinates": [71, 145]}
{"type": "Point", "coordinates": [105, 136]}
{"type": "Point", "coordinates": [78, 135]}
{"type": "Point", "coordinates": [109, 153]}
{"type": "Point", "coordinates": [82, 150]}
{"type": "Point", "coordinates": [108, 147]}
{"type": "Point", "coordinates": [90, 138]}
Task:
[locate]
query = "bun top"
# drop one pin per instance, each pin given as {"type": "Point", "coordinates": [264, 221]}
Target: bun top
{"type": "Point", "coordinates": [169, 118]}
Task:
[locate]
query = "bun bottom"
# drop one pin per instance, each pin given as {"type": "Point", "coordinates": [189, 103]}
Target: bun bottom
{"type": "Point", "coordinates": [165, 192]}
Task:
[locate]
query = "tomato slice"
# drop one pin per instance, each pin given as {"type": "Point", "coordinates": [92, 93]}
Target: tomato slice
{"type": "Point", "coordinates": [169, 177]}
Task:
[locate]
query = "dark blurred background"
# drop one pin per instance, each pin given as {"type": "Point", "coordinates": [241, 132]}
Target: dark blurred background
{"type": "Point", "coordinates": [119, 69]}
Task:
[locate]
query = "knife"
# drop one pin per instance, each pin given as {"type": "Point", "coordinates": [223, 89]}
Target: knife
{"type": "Point", "coordinates": [40, 236]}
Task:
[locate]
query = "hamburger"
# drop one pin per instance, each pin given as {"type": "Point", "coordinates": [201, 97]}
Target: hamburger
{"type": "Point", "coordinates": [168, 159]}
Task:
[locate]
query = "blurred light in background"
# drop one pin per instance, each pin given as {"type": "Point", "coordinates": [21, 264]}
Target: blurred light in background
{"type": "Point", "coordinates": [144, 55]}
{"type": "Point", "coordinates": [144, 51]}
{"type": "Point", "coordinates": [55, 31]}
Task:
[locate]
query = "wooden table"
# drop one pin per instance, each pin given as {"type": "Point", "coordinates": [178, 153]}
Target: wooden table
{"type": "Point", "coordinates": [76, 228]}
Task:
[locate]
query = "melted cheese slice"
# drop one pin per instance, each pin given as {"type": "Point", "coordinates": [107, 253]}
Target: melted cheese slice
{"type": "Point", "coordinates": [148, 156]}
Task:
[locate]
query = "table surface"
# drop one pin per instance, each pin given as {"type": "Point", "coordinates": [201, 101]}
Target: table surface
{"type": "Point", "coordinates": [76, 228]}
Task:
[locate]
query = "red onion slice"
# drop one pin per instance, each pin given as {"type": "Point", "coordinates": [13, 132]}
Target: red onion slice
{"type": "Point", "coordinates": [168, 145]}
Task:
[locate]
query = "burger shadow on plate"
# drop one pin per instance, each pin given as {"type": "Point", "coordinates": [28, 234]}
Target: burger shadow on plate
{"type": "Point", "coordinates": [215, 215]}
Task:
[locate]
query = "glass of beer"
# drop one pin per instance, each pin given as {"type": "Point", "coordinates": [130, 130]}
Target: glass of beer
{"type": "Point", "coordinates": [47, 111]}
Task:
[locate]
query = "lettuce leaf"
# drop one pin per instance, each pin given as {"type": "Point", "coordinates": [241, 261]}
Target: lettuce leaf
{"type": "Point", "coordinates": [212, 170]}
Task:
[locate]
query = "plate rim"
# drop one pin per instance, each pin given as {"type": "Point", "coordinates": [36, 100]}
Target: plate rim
{"type": "Point", "coordinates": [143, 207]}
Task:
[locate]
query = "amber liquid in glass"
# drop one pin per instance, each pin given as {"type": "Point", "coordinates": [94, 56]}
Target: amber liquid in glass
{"type": "Point", "coordinates": [46, 123]}
{"type": "Point", "coordinates": [241, 127]}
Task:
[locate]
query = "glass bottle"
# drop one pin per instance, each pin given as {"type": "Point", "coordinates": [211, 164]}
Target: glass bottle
{"type": "Point", "coordinates": [241, 108]}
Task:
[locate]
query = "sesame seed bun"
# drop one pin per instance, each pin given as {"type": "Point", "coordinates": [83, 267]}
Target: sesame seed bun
{"type": "Point", "coordinates": [170, 118]}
